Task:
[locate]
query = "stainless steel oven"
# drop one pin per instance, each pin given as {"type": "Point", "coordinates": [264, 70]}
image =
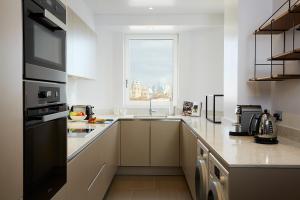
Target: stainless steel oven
{"type": "Point", "coordinates": [44, 40]}
{"type": "Point", "coordinates": [45, 139]}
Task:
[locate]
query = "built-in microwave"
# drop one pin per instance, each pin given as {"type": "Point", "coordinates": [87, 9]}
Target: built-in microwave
{"type": "Point", "coordinates": [44, 40]}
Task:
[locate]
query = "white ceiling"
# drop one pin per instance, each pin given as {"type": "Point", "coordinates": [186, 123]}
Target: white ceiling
{"type": "Point", "coordinates": [141, 7]}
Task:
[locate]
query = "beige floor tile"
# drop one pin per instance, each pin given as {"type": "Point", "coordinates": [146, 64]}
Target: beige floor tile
{"type": "Point", "coordinates": [148, 187]}
{"type": "Point", "coordinates": [134, 182]}
{"type": "Point", "coordinates": [171, 182]}
{"type": "Point", "coordinates": [145, 194]}
{"type": "Point", "coordinates": [119, 194]}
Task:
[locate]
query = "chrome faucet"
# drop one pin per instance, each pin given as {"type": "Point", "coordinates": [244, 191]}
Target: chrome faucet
{"type": "Point", "coordinates": [150, 108]}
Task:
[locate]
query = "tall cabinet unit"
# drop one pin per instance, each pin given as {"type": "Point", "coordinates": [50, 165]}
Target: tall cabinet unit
{"type": "Point", "coordinates": [189, 157]}
{"type": "Point", "coordinates": [11, 142]}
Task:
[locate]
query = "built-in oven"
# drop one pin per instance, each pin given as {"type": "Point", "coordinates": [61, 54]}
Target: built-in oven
{"type": "Point", "coordinates": [44, 40]}
{"type": "Point", "coordinates": [45, 139]}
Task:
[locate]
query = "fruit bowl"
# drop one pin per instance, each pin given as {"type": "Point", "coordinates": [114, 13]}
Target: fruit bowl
{"type": "Point", "coordinates": [78, 118]}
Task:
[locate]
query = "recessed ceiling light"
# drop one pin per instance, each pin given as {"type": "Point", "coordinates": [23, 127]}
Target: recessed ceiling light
{"type": "Point", "coordinates": [150, 8]}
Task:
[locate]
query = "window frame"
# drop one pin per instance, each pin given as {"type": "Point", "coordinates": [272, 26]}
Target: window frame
{"type": "Point", "coordinates": [126, 70]}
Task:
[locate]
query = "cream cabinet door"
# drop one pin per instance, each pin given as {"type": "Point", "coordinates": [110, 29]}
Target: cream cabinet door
{"type": "Point", "coordinates": [87, 178]}
{"type": "Point", "coordinates": [82, 47]}
{"type": "Point", "coordinates": [165, 143]}
{"type": "Point", "coordinates": [135, 143]}
{"type": "Point", "coordinates": [78, 178]}
{"type": "Point", "coordinates": [109, 152]}
{"type": "Point", "coordinates": [189, 157]}
{"type": "Point", "coordinates": [98, 188]}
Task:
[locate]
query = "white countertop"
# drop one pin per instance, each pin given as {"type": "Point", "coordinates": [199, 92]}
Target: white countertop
{"type": "Point", "coordinates": [235, 151]}
{"type": "Point", "coordinates": [77, 144]}
{"type": "Point", "coordinates": [243, 151]}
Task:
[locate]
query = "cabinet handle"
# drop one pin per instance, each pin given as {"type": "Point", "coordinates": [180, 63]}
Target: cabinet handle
{"type": "Point", "coordinates": [100, 171]}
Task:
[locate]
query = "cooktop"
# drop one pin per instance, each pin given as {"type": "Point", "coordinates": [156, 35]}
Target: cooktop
{"type": "Point", "coordinates": [79, 132]}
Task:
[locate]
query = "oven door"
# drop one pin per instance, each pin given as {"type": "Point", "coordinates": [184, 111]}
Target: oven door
{"type": "Point", "coordinates": [45, 157]}
{"type": "Point", "coordinates": [45, 44]}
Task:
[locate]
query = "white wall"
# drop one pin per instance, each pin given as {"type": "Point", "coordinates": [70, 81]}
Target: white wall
{"type": "Point", "coordinates": [200, 68]}
{"type": "Point", "coordinates": [251, 15]}
{"type": "Point", "coordinates": [11, 120]}
{"type": "Point", "coordinates": [106, 92]}
{"type": "Point", "coordinates": [200, 64]}
{"type": "Point", "coordinates": [99, 92]}
{"type": "Point", "coordinates": [241, 18]}
{"type": "Point", "coordinates": [230, 57]}
{"type": "Point", "coordinates": [285, 95]}
{"type": "Point", "coordinates": [200, 73]}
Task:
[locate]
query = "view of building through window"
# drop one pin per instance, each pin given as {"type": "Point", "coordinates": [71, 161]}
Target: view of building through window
{"type": "Point", "coordinates": [151, 67]}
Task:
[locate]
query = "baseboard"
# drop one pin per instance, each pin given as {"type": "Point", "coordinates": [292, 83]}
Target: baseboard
{"type": "Point", "coordinates": [150, 171]}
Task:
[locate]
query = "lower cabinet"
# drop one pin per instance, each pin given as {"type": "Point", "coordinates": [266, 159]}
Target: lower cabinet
{"type": "Point", "coordinates": [189, 157]}
{"type": "Point", "coordinates": [98, 187]}
{"type": "Point", "coordinates": [135, 143]}
{"type": "Point", "coordinates": [92, 170]}
{"type": "Point", "coordinates": [150, 143]}
{"type": "Point", "coordinates": [165, 143]}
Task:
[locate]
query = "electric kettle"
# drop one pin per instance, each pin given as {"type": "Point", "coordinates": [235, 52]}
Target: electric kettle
{"type": "Point", "coordinates": [264, 128]}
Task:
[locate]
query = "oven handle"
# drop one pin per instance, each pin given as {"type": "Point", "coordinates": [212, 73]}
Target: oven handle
{"type": "Point", "coordinates": [54, 116]}
{"type": "Point", "coordinates": [48, 15]}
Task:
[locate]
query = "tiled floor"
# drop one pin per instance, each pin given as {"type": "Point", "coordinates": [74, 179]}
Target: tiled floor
{"type": "Point", "coordinates": [148, 187]}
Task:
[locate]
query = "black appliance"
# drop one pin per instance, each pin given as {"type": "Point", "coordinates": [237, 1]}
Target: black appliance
{"type": "Point", "coordinates": [45, 139]}
{"type": "Point", "coordinates": [244, 114]}
{"type": "Point", "coordinates": [44, 40]}
{"type": "Point", "coordinates": [86, 109]}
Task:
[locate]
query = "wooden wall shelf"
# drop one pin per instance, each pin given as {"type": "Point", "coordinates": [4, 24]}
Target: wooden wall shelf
{"type": "Point", "coordinates": [282, 23]}
{"type": "Point", "coordinates": [289, 19]}
{"type": "Point", "coordinates": [279, 77]}
{"type": "Point", "coordinates": [291, 55]}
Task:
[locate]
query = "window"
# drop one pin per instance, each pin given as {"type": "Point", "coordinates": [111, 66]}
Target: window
{"type": "Point", "coordinates": [150, 69]}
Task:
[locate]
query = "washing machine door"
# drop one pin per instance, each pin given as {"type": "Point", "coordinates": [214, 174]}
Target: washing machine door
{"type": "Point", "coordinates": [215, 191]}
{"type": "Point", "coordinates": [201, 180]}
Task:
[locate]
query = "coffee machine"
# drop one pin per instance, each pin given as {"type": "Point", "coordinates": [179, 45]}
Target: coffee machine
{"type": "Point", "coordinates": [244, 113]}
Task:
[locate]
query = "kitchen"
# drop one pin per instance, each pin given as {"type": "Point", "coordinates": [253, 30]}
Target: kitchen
{"type": "Point", "coordinates": [164, 99]}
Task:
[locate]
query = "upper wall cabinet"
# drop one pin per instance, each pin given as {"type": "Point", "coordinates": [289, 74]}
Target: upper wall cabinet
{"type": "Point", "coordinates": [81, 47]}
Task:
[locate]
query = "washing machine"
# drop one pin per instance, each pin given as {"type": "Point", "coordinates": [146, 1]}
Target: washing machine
{"type": "Point", "coordinates": [218, 180]}
{"type": "Point", "coordinates": [201, 175]}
